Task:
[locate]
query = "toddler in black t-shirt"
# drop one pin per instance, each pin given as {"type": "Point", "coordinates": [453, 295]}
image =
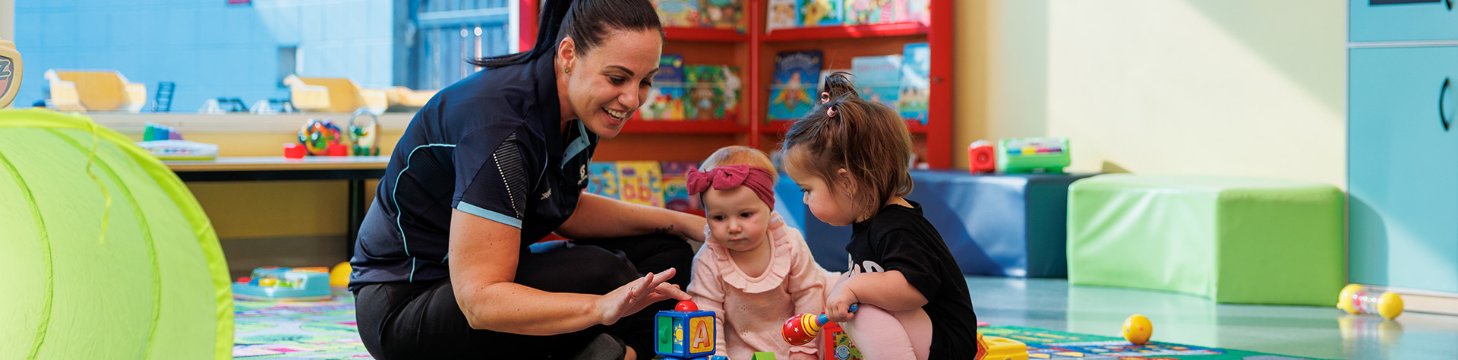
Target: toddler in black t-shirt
{"type": "Point", "coordinates": [850, 157]}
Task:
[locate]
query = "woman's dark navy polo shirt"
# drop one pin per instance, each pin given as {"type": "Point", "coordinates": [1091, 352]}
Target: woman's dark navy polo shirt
{"type": "Point", "coordinates": [490, 145]}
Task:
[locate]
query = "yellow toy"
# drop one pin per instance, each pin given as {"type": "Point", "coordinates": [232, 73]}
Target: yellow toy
{"type": "Point", "coordinates": [1001, 348]}
{"type": "Point", "coordinates": [1356, 299]}
{"type": "Point", "coordinates": [339, 276]}
{"type": "Point", "coordinates": [1137, 329]}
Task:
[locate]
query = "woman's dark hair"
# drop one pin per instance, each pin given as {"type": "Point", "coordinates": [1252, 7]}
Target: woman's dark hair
{"type": "Point", "coordinates": [867, 139]}
{"type": "Point", "coordinates": [585, 21]}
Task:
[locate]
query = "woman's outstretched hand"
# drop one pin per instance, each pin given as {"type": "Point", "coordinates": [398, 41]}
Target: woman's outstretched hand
{"type": "Point", "coordinates": [638, 294]}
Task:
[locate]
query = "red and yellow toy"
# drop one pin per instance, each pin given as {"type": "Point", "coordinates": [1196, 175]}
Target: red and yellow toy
{"type": "Point", "coordinates": [803, 328]}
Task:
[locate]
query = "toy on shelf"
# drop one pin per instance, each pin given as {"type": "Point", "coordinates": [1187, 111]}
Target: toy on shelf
{"type": "Point", "coordinates": [282, 283]}
{"type": "Point", "coordinates": [684, 332]}
{"type": "Point", "coordinates": [981, 157]}
{"type": "Point", "coordinates": [322, 137]}
{"type": "Point", "coordinates": [1137, 329]}
{"type": "Point", "coordinates": [155, 131]}
{"type": "Point", "coordinates": [167, 144]}
{"type": "Point", "coordinates": [1361, 299]}
{"type": "Point", "coordinates": [1025, 155]}
{"type": "Point", "coordinates": [803, 328]}
{"type": "Point", "coordinates": [364, 135]}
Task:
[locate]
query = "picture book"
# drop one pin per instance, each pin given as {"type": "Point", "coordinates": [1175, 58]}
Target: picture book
{"type": "Point", "coordinates": [821, 12]}
{"type": "Point", "coordinates": [641, 182]}
{"type": "Point", "coordinates": [666, 99]}
{"type": "Point", "coordinates": [675, 187]}
{"type": "Point", "coordinates": [859, 12]}
{"type": "Point", "coordinates": [792, 93]}
{"type": "Point", "coordinates": [783, 14]}
{"type": "Point", "coordinates": [878, 78]}
{"type": "Point", "coordinates": [918, 11]}
{"type": "Point", "coordinates": [723, 14]}
{"type": "Point", "coordinates": [603, 179]}
{"type": "Point", "coordinates": [678, 13]}
{"type": "Point", "coordinates": [705, 92]}
{"type": "Point", "coordinates": [915, 82]}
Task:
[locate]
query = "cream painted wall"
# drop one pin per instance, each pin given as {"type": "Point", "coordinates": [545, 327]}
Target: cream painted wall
{"type": "Point", "coordinates": [7, 20]}
{"type": "Point", "coordinates": [1230, 87]}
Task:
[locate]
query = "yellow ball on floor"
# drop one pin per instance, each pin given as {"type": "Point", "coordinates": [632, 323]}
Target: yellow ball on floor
{"type": "Point", "coordinates": [339, 277]}
{"type": "Point", "coordinates": [1137, 329]}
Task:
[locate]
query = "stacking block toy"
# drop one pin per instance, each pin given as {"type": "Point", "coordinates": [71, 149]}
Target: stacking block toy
{"type": "Point", "coordinates": [684, 333]}
{"type": "Point", "coordinates": [281, 283]}
{"type": "Point", "coordinates": [1234, 240]}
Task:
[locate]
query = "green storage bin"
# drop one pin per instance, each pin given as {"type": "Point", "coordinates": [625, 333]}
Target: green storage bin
{"type": "Point", "coordinates": [1234, 240]}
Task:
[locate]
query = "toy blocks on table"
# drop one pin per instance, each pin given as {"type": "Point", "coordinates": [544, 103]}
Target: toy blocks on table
{"type": "Point", "coordinates": [1234, 240]}
{"type": "Point", "coordinates": [684, 334]}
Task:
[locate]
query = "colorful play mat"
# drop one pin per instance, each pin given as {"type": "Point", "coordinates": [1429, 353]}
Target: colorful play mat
{"type": "Point", "coordinates": [326, 330]}
{"type": "Point", "coordinates": [1049, 344]}
{"type": "Point", "coordinates": [297, 330]}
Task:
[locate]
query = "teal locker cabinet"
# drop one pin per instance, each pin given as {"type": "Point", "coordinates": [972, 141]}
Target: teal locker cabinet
{"type": "Point", "coordinates": [1402, 144]}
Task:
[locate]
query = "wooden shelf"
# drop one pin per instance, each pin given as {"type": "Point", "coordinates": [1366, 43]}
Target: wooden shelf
{"type": "Point", "coordinates": [704, 34]}
{"type": "Point", "coordinates": [638, 126]}
{"type": "Point", "coordinates": [847, 32]}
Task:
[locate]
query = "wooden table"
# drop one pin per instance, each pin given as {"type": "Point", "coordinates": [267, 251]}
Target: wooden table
{"type": "Point", "coordinates": [354, 169]}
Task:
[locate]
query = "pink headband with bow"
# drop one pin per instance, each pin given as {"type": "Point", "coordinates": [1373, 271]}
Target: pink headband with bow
{"type": "Point", "coordinates": [728, 176]}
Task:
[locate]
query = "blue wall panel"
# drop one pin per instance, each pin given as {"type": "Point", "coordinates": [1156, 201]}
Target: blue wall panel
{"type": "Point", "coordinates": [210, 49]}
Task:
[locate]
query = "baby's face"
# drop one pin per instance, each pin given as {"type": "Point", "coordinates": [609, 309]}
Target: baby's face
{"type": "Point", "coordinates": [737, 218]}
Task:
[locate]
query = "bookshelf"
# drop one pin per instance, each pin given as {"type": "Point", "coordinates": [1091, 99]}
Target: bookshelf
{"type": "Point", "coordinates": [753, 53]}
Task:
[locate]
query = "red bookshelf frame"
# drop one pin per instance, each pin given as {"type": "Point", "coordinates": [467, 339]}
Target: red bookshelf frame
{"type": "Point", "coordinates": [725, 126]}
{"type": "Point", "coordinates": [704, 34]}
{"type": "Point", "coordinates": [780, 127]}
{"type": "Point", "coordinates": [937, 131]}
{"type": "Point", "coordinates": [847, 32]}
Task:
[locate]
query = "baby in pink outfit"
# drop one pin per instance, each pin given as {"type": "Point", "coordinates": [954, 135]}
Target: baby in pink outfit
{"type": "Point", "coordinates": [753, 271]}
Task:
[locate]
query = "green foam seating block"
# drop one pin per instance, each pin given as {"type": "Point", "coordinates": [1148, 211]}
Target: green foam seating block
{"type": "Point", "coordinates": [1234, 240]}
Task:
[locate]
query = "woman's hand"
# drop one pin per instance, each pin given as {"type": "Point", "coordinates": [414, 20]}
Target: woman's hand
{"type": "Point", "coordinates": [636, 295]}
{"type": "Point", "coordinates": [838, 303]}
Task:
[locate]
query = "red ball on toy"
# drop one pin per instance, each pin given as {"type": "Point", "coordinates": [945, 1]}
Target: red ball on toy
{"type": "Point", "coordinates": [686, 306]}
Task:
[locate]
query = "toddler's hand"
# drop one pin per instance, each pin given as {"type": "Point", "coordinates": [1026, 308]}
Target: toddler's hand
{"type": "Point", "coordinates": [802, 356]}
{"type": "Point", "coordinates": [838, 303]}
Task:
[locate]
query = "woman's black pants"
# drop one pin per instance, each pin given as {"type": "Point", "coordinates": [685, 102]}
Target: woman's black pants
{"type": "Point", "coordinates": [423, 321]}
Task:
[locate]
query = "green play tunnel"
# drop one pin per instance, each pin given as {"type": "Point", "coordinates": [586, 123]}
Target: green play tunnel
{"type": "Point", "coordinates": [104, 253]}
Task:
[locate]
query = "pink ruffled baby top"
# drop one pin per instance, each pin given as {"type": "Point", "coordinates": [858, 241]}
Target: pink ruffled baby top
{"type": "Point", "coordinates": [752, 309]}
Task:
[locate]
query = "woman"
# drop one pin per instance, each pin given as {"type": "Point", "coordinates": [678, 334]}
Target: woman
{"type": "Point", "coordinates": [493, 163]}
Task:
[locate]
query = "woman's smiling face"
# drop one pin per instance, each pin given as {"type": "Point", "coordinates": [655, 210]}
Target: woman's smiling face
{"type": "Point", "coordinates": [608, 84]}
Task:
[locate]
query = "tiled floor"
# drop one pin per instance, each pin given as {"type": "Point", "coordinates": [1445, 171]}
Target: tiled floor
{"type": "Point", "coordinates": [1322, 332]}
